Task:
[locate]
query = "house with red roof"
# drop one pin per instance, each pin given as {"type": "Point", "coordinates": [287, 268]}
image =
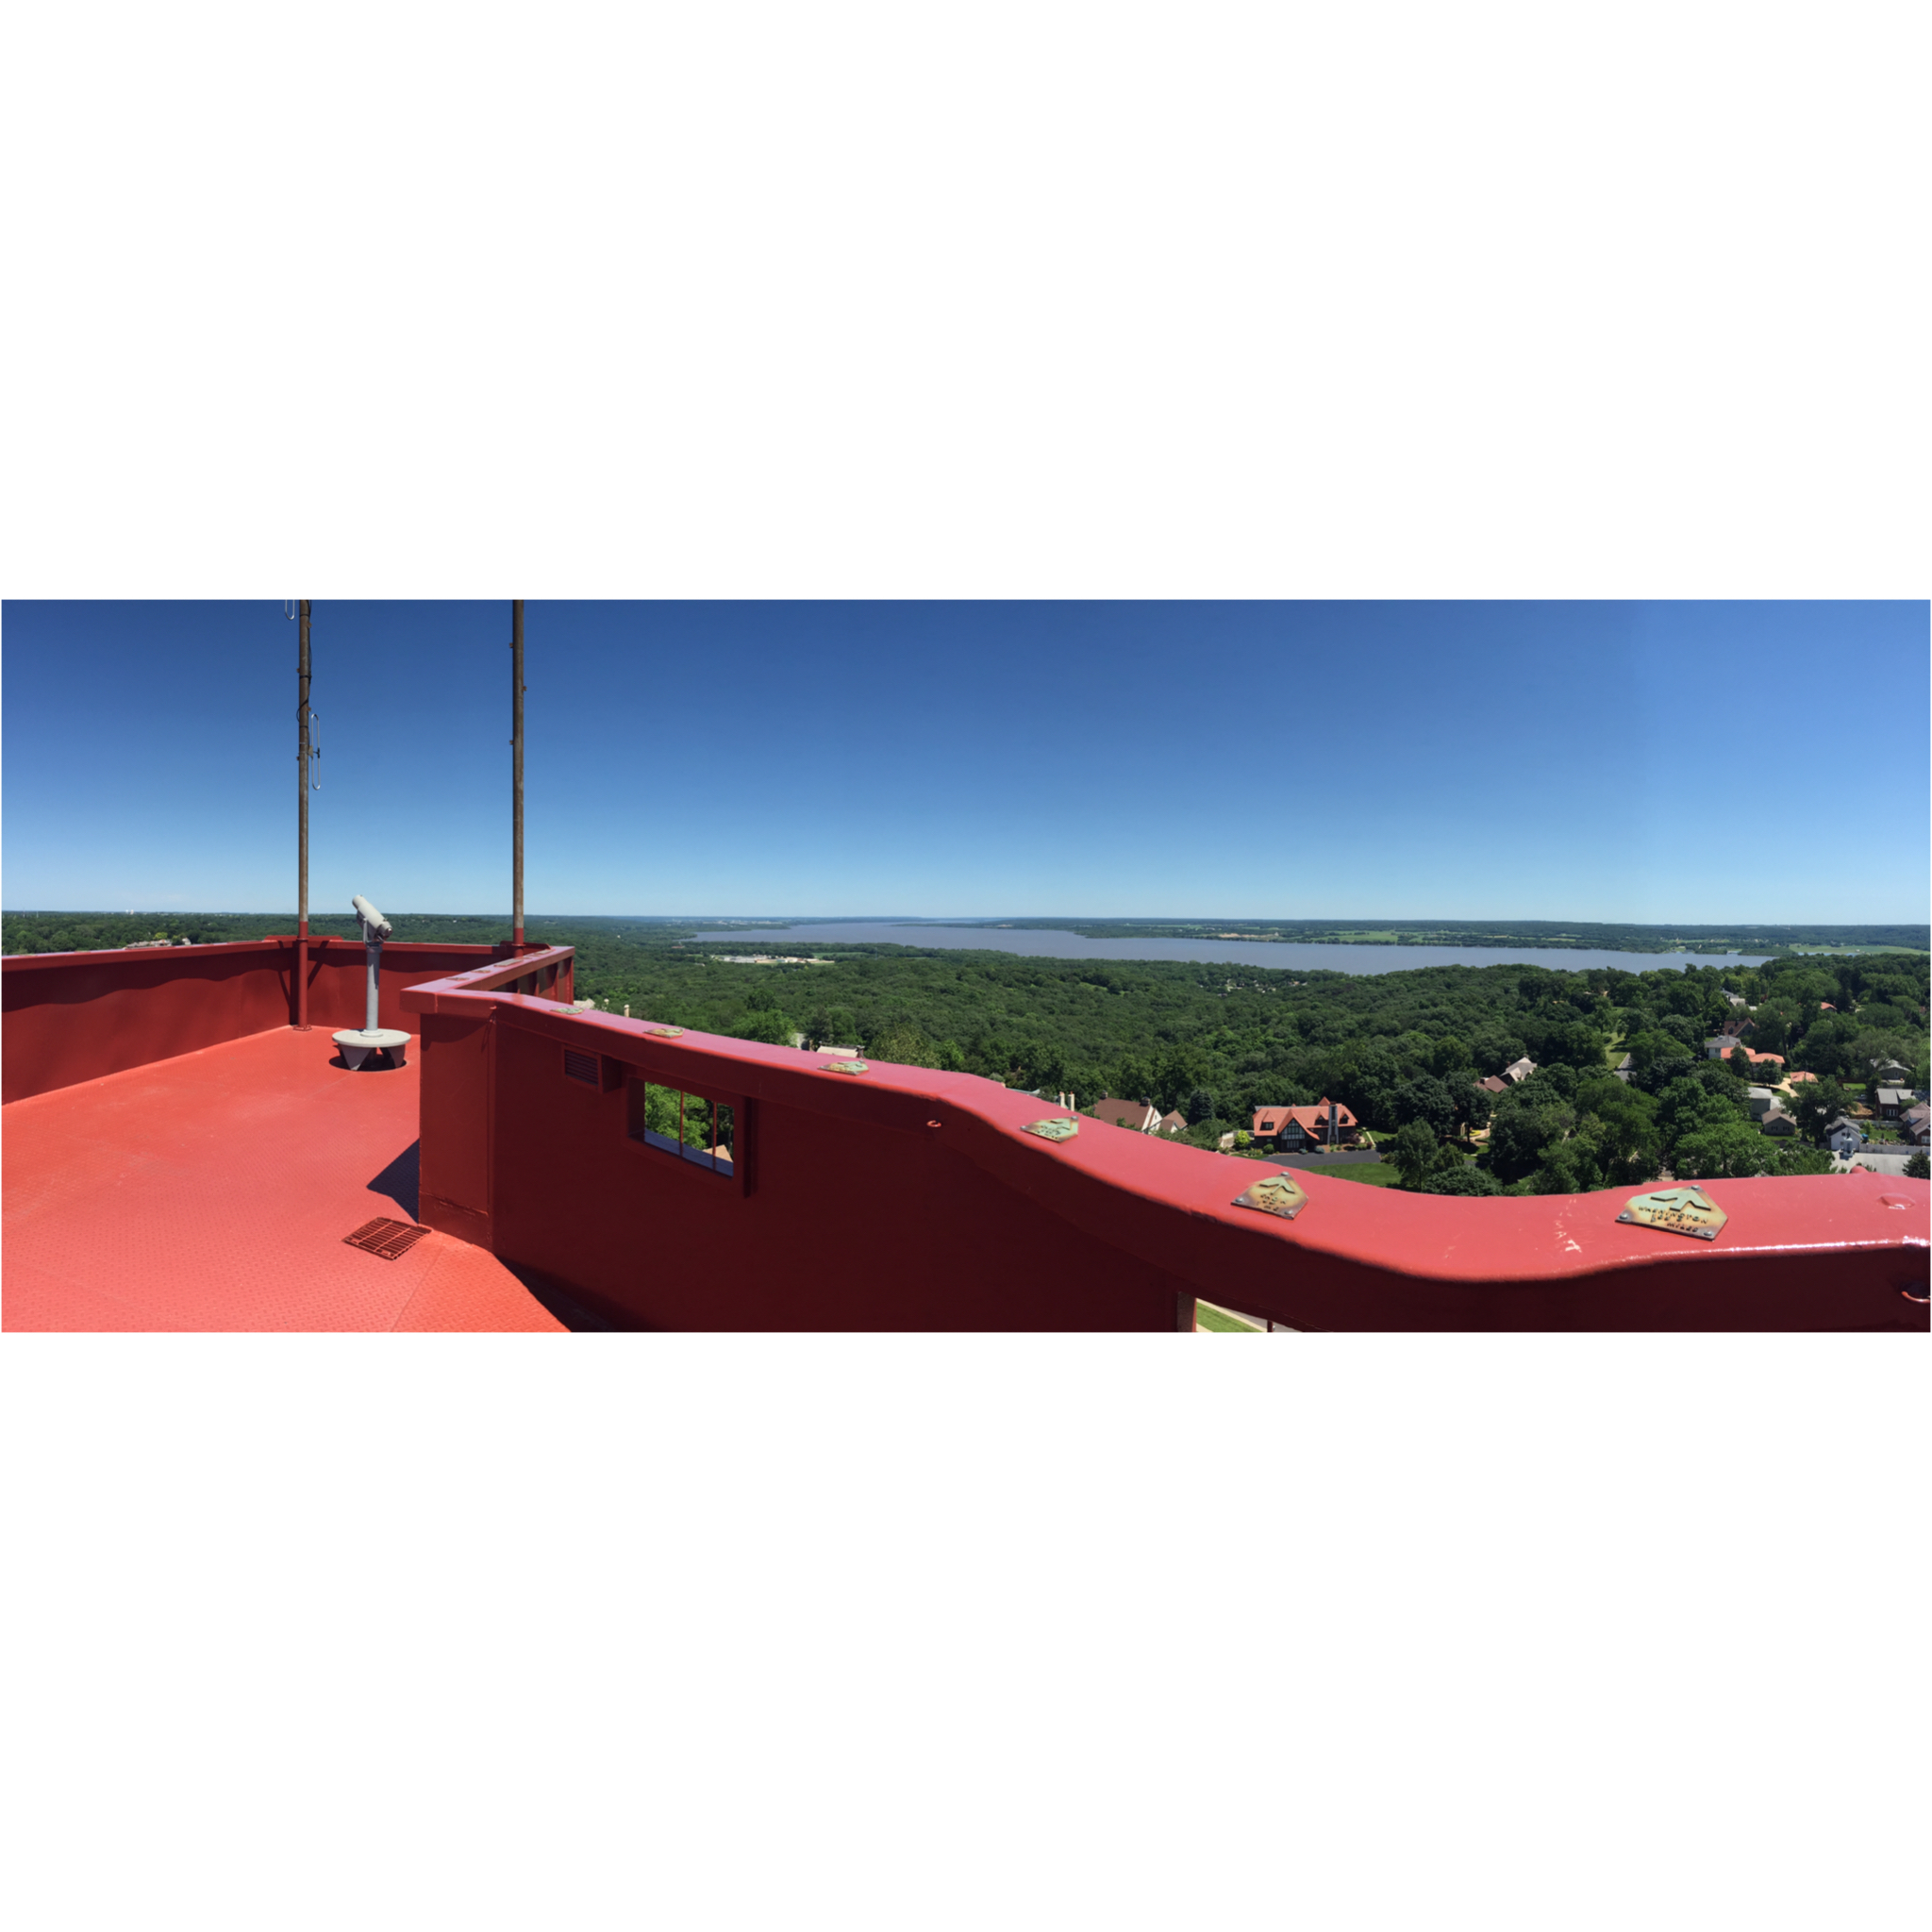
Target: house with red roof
{"type": "Point", "coordinates": [1294, 1128]}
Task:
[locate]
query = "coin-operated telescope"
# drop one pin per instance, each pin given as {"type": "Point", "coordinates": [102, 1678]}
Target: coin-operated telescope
{"type": "Point", "coordinates": [374, 1046]}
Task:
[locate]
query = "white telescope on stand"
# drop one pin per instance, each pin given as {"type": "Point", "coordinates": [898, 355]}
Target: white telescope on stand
{"type": "Point", "coordinates": [361, 1049]}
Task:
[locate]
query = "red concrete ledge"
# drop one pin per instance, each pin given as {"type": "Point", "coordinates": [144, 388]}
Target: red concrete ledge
{"type": "Point", "coordinates": [1809, 1252]}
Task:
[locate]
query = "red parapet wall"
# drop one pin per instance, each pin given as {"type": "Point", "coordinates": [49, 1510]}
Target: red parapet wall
{"type": "Point", "coordinates": [70, 1017]}
{"type": "Point", "coordinates": [904, 1198]}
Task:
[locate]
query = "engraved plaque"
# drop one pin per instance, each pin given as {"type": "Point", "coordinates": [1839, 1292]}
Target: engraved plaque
{"type": "Point", "coordinates": [847, 1067]}
{"type": "Point", "coordinates": [1058, 1129]}
{"type": "Point", "coordinates": [1680, 1210]}
{"type": "Point", "coordinates": [1275, 1194]}
{"type": "Point", "coordinates": [666, 1032]}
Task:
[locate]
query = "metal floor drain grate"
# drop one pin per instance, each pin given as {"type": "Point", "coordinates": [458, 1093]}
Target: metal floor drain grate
{"type": "Point", "coordinates": [387, 1239]}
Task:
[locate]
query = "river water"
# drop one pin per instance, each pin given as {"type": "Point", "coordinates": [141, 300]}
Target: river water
{"type": "Point", "coordinates": [1279, 953]}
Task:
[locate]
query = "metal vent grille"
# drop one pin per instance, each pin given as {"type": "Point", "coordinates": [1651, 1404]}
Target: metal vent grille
{"type": "Point", "coordinates": [580, 1066]}
{"type": "Point", "coordinates": [386, 1238]}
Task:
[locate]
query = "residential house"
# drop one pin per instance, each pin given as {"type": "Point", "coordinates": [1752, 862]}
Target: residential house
{"type": "Point", "coordinates": [1916, 1124]}
{"type": "Point", "coordinates": [1745, 1060]}
{"type": "Point", "coordinates": [1798, 1078]}
{"type": "Point", "coordinates": [1138, 1115]}
{"type": "Point", "coordinates": [1888, 1073]}
{"type": "Point", "coordinates": [1718, 1045]}
{"type": "Point", "coordinates": [1894, 1101]}
{"type": "Point", "coordinates": [1737, 999]}
{"type": "Point", "coordinates": [1493, 1084]}
{"type": "Point", "coordinates": [1520, 1071]}
{"type": "Point", "coordinates": [1778, 1124]}
{"type": "Point", "coordinates": [1844, 1135]}
{"type": "Point", "coordinates": [1292, 1130]}
{"type": "Point", "coordinates": [1170, 1123]}
{"type": "Point", "coordinates": [1760, 1100]}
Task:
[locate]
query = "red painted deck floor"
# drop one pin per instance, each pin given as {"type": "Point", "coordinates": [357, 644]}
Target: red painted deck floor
{"type": "Point", "coordinates": [212, 1192]}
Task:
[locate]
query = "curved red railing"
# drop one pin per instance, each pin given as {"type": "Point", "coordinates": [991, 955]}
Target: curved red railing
{"type": "Point", "coordinates": [902, 1197]}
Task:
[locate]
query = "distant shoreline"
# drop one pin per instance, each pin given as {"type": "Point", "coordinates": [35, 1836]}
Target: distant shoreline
{"type": "Point", "coordinates": [1712, 943]}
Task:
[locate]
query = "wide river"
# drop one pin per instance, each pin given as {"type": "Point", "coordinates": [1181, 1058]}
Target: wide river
{"type": "Point", "coordinates": [1280, 954]}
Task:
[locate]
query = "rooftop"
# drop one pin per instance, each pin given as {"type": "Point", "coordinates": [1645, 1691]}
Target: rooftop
{"type": "Point", "coordinates": [214, 1190]}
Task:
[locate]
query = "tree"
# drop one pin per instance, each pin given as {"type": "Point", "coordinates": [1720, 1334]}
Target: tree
{"type": "Point", "coordinates": [904, 1044]}
{"type": "Point", "coordinates": [1917, 1167]}
{"type": "Point", "coordinates": [1794, 1157]}
{"type": "Point", "coordinates": [1619, 1128]}
{"type": "Point", "coordinates": [836, 1025]}
{"type": "Point", "coordinates": [1703, 1101]}
{"type": "Point", "coordinates": [1366, 1079]}
{"type": "Point", "coordinates": [1727, 1147]}
{"type": "Point", "coordinates": [1417, 1154]}
{"type": "Point", "coordinates": [1474, 1105]}
{"type": "Point", "coordinates": [1427, 1100]}
{"type": "Point", "coordinates": [1567, 1167]}
{"type": "Point", "coordinates": [1493, 1048]}
{"type": "Point", "coordinates": [1577, 1045]}
{"type": "Point", "coordinates": [1461, 1179]}
{"type": "Point", "coordinates": [767, 1024]}
{"type": "Point", "coordinates": [1870, 1049]}
{"type": "Point", "coordinates": [1200, 1107]}
{"type": "Point", "coordinates": [1819, 1103]}
{"type": "Point", "coordinates": [1521, 1129]}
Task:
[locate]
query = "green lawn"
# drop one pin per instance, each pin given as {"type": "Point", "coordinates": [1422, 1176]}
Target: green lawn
{"type": "Point", "coordinates": [1218, 1322]}
{"type": "Point", "coordinates": [1371, 1173]}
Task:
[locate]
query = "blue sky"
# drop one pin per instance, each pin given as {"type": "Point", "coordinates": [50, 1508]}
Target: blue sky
{"type": "Point", "coordinates": [1750, 762]}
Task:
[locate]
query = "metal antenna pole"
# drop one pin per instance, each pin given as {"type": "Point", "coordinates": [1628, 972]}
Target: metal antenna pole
{"type": "Point", "coordinates": [516, 713]}
{"type": "Point", "coordinates": [302, 829]}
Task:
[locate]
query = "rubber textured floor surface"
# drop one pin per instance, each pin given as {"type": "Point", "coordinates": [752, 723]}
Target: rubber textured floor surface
{"type": "Point", "coordinates": [212, 1192]}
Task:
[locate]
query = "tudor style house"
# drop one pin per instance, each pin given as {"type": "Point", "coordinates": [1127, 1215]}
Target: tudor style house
{"type": "Point", "coordinates": [1135, 1114]}
{"type": "Point", "coordinates": [1293, 1129]}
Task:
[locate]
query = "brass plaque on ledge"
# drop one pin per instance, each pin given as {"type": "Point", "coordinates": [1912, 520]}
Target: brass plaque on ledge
{"type": "Point", "coordinates": [666, 1032]}
{"type": "Point", "coordinates": [1061, 1129]}
{"type": "Point", "coordinates": [1681, 1210]}
{"type": "Point", "coordinates": [1275, 1194]}
{"type": "Point", "coordinates": [847, 1067]}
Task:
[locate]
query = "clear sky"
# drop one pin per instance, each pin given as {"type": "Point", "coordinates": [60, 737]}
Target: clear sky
{"type": "Point", "coordinates": [1749, 762]}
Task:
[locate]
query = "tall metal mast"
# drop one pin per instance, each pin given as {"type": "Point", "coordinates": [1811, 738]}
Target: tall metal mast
{"type": "Point", "coordinates": [302, 755]}
{"type": "Point", "coordinates": [516, 713]}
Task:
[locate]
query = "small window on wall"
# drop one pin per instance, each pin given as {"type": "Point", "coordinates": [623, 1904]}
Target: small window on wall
{"type": "Point", "coordinates": [704, 1132]}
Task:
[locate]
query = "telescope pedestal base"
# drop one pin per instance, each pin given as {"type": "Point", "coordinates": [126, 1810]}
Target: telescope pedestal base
{"type": "Point", "coordinates": [360, 1048]}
